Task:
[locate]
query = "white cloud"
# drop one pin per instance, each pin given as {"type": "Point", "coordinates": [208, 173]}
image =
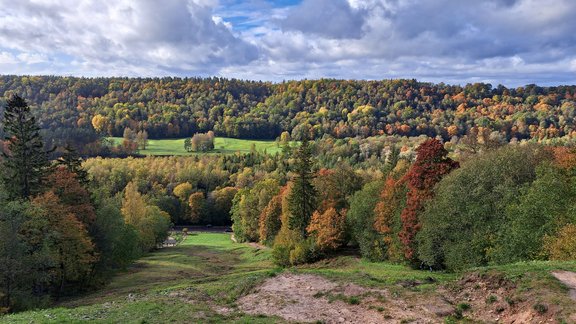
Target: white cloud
{"type": "Point", "coordinates": [504, 41]}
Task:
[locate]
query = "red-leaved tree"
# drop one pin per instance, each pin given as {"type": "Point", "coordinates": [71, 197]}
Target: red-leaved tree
{"type": "Point", "coordinates": [432, 163]}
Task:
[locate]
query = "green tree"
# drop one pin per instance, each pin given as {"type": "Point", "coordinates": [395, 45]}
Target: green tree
{"type": "Point", "coordinates": [460, 226]}
{"type": "Point", "coordinates": [26, 165]}
{"type": "Point", "coordinates": [302, 197]}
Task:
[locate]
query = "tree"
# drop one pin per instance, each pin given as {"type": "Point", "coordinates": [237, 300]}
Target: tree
{"type": "Point", "coordinates": [247, 207]}
{"type": "Point", "coordinates": [302, 197]}
{"type": "Point", "coordinates": [197, 204]}
{"type": "Point", "coordinates": [72, 161]}
{"type": "Point", "coordinates": [561, 246]}
{"type": "Point", "coordinates": [270, 219]}
{"type": "Point", "coordinates": [432, 163]}
{"type": "Point", "coordinates": [72, 194]}
{"type": "Point", "coordinates": [142, 139]}
{"type": "Point", "coordinates": [221, 203]}
{"type": "Point", "coordinates": [99, 123]}
{"type": "Point", "coordinates": [188, 144]}
{"type": "Point", "coordinates": [328, 229]}
{"type": "Point", "coordinates": [183, 191]}
{"type": "Point", "coordinates": [151, 223]}
{"type": "Point", "coordinates": [68, 239]}
{"type": "Point", "coordinates": [26, 166]}
{"type": "Point", "coordinates": [461, 226]}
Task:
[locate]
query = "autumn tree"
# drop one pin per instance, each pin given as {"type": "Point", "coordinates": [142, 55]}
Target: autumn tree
{"type": "Point", "coordinates": [26, 165]}
{"type": "Point", "coordinates": [328, 229]}
{"type": "Point", "coordinates": [142, 139]}
{"type": "Point", "coordinates": [151, 223]}
{"type": "Point", "coordinates": [197, 204]}
{"type": "Point", "coordinates": [69, 240]}
{"type": "Point", "coordinates": [270, 219]}
{"type": "Point", "coordinates": [432, 163]}
{"type": "Point", "coordinates": [247, 207]}
{"type": "Point", "coordinates": [562, 245]}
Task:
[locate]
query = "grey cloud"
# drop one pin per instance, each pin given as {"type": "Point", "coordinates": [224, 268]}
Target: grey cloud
{"type": "Point", "coordinates": [328, 18]}
{"type": "Point", "coordinates": [138, 33]}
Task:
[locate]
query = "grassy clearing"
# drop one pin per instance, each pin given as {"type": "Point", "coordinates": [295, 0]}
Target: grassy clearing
{"type": "Point", "coordinates": [201, 279]}
{"type": "Point", "coordinates": [187, 283]}
{"type": "Point", "coordinates": [222, 145]}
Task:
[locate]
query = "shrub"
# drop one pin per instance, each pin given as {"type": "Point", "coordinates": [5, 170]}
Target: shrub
{"type": "Point", "coordinates": [561, 246]}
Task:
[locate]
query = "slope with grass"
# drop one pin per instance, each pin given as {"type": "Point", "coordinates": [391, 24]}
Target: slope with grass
{"type": "Point", "coordinates": [222, 145]}
{"type": "Point", "coordinates": [210, 279]}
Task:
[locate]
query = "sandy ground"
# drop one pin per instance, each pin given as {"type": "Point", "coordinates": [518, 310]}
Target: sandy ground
{"type": "Point", "coordinates": [568, 278]}
{"type": "Point", "coordinates": [310, 298]}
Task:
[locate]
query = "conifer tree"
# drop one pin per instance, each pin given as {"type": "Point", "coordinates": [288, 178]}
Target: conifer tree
{"type": "Point", "coordinates": [302, 197]}
{"type": "Point", "coordinates": [26, 164]}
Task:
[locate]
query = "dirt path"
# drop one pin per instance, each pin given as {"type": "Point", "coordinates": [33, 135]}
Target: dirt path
{"type": "Point", "coordinates": [568, 278]}
{"type": "Point", "coordinates": [309, 298]}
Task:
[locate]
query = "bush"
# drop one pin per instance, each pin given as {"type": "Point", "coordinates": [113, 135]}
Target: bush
{"type": "Point", "coordinates": [561, 246]}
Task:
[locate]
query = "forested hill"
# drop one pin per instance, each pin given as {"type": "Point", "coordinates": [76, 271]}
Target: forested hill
{"type": "Point", "coordinates": [174, 107]}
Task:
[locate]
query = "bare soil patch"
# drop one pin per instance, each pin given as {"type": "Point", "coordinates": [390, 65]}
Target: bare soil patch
{"type": "Point", "coordinates": [491, 298]}
{"type": "Point", "coordinates": [568, 278]}
{"type": "Point", "coordinates": [310, 298]}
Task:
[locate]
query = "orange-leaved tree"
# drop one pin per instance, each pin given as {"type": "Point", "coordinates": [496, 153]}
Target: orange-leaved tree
{"type": "Point", "coordinates": [328, 229]}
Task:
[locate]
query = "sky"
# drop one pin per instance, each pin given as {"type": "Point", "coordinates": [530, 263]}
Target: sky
{"type": "Point", "coordinates": [510, 42]}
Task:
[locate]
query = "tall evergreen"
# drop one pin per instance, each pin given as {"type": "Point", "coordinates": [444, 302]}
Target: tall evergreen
{"type": "Point", "coordinates": [302, 197]}
{"type": "Point", "coordinates": [26, 164]}
{"type": "Point", "coordinates": [73, 163]}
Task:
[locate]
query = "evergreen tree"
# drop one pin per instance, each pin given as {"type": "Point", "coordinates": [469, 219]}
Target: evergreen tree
{"type": "Point", "coordinates": [302, 198]}
{"type": "Point", "coordinates": [26, 163]}
{"type": "Point", "coordinates": [73, 163]}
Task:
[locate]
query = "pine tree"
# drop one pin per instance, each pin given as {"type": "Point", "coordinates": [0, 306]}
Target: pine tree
{"type": "Point", "coordinates": [302, 198]}
{"type": "Point", "coordinates": [73, 163]}
{"type": "Point", "coordinates": [26, 165]}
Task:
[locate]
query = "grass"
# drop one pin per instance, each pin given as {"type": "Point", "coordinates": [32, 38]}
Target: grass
{"type": "Point", "coordinates": [178, 284]}
{"type": "Point", "coordinates": [207, 271]}
{"type": "Point", "coordinates": [222, 145]}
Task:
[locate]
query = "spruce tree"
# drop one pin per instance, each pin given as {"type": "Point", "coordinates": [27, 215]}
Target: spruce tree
{"type": "Point", "coordinates": [302, 197]}
{"type": "Point", "coordinates": [73, 163]}
{"type": "Point", "coordinates": [26, 164]}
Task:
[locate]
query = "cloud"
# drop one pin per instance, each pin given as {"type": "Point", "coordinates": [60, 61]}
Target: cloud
{"type": "Point", "coordinates": [156, 34]}
{"type": "Point", "coordinates": [327, 18]}
{"type": "Point", "coordinates": [501, 41]}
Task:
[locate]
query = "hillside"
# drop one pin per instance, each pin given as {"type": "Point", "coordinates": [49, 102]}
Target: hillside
{"type": "Point", "coordinates": [177, 108]}
{"type": "Point", "coordinates": [208, 278]}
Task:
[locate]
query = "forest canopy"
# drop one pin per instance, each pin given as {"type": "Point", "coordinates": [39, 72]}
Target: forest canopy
{"type": "Point", "coordinates": [83, 108]}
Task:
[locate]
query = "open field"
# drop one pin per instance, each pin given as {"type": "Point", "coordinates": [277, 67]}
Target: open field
{"type": "Point", "coordinates": [222, 145]}
{"type": "Point", "coordinates": [210, 279]}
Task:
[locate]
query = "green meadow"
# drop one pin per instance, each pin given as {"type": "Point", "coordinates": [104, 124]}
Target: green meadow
{"type": "Point", "coordinates": [222, 145]}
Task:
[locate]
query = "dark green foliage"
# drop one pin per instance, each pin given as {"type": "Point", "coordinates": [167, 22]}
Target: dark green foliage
{"type": "Point", "coordinates": [462, 224]}
{"type": "Point", "coordinates": [302, 196]}
{"type": "Point", "coordinates": [541, 209]}
{"type": "Point", "coordinates": [26, 165]}
{"type": "Point", "coordinates": [360, 221]}
{"type": "Point", "coordinates": [116, 241]}
{"type": "Point", "coordinates": [72, 161]}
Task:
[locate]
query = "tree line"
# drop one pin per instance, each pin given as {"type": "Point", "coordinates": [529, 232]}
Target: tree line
{"type": "Point", "coordinates": [82, 110]}
{"type": "Point", "coordinates": [504, 204]}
